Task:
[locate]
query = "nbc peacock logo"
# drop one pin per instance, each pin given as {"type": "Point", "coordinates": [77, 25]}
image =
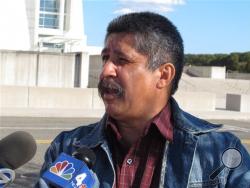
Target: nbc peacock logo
{"type": "Point", "coordinates": [63, 169]}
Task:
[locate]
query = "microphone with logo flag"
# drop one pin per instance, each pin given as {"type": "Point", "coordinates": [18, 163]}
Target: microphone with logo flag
{"type": "Point", "coordinates": [16, 149]}
{"type": "Point", "coordinates": [73, 172]}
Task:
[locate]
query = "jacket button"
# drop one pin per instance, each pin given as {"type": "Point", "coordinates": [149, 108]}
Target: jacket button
{"type": "Point", "coordinates": [129, 161]}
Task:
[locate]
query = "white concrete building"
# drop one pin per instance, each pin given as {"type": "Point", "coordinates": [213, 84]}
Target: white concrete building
{"type": "Point", "coordinates": [42, 43]}
{"type": "Point", "coordinates": [207, 71]}
{"type": "Point", "coordinates": [42, 25]}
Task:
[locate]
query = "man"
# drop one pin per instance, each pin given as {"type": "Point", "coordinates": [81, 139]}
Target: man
{"type": "Point", "coordinates": [144, 139]}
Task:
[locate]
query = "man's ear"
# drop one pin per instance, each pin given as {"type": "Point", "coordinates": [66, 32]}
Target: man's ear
{"type": "Point", "coordinates": [167, 73]}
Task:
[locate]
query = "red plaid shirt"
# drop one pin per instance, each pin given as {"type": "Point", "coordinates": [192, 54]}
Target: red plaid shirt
{"type": "Point", "coordinates": [140, 166]}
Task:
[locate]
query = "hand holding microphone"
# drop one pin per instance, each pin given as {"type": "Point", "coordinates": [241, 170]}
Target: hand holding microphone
{"type": "Point", "coordinates": [73, 172]}
{"type": "Point", "coordinates": [16, 149]}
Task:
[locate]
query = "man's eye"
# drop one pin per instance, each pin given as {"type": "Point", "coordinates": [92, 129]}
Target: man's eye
{"type": "Point", "coordinates": [104, 58]}
{"type": "Point", "coordinates": [123, 60]}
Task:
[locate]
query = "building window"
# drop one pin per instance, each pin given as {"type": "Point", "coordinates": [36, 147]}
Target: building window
{"type": "Point", "coordinates": [50, 5]}
{"type": "Point", "coordinates": [49, 21]}
{"type": "Point", "coordinates": [53, 45]}
{"type": "Point", "coordinates": [49, 14]}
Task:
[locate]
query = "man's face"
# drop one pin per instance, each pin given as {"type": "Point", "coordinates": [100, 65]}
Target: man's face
{"type": "Point", "coordinates": [127, 86]}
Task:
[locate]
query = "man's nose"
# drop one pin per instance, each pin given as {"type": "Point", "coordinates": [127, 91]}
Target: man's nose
{"type": "Point", "coordinates": [108, 70]}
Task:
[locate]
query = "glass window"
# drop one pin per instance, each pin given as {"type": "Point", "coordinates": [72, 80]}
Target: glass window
{"type": "Point", "coordinates": [50, 5]}
{"type": "Point", "coordinates": [49, 14]}
{"type": "Point", "coordinates": [53, 45]}
{"type": "Point", "coordinates": [49, 21]}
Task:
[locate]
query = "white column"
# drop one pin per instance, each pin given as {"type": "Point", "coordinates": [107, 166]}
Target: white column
{"type": "Point", "coordinates": [76, 28]}
{"type": "Point", "coordinates": [61, 13]}
{"type": "Point", "coordinates": [85, 70]}
{"type": "Point", "coordinates": [14, 25]}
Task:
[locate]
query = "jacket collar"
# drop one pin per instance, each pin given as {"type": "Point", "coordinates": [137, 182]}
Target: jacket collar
{"type": "Point", "coordinates": [181, 120]}
{"type": "Point", "coordinates": [188, 122]}
{"type": "Point", "coordinates": [95, 137]}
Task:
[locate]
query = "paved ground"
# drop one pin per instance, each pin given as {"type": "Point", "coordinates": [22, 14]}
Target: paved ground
{"type": "Point", "coordinates": [45, 129]}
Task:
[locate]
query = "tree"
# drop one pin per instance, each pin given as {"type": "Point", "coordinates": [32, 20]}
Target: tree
{"type": "Point", "coordinates": [247, 68]}
{"type": "Point", "coordinates": [245, 57]}
{"type": "Point", "coordinates": [232, 62]}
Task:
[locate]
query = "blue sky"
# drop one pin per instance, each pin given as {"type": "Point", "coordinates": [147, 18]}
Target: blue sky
{"type": "Point", "coordinates": [207, 26]}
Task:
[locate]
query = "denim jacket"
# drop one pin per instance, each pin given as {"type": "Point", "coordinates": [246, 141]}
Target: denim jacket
{"type": "Point", "coordinates": [198, 149]}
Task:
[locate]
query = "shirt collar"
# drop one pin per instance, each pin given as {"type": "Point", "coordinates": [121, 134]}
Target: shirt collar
{"type": "Point", "coordinates": [162, 121]}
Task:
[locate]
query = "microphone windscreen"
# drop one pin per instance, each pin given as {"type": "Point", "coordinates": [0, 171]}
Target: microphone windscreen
{"type": "Point", "coordinates": [16, 149]}
{"type": "Point", "coordinates": [85, 154]}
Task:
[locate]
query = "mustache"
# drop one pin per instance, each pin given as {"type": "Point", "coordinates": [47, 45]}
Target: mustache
{"type": "Point", "coordinates": [109, 86]}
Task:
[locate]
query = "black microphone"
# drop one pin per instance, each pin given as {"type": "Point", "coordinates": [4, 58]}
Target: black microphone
{"type": "Point", "coordinates": [73, 171]}
{"type": "Point", "coordinates": [16, 149]}
{"type": "Point", "coordinates": [86, 155]}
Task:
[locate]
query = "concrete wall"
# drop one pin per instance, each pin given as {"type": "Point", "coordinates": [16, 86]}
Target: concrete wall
{"type": "Point", "coordinates": [20, 68]}
{"type": "Point", "coordinates": [240, 76]}
{"type": "Point", "coordinates": [195, 101]}
{"type": "Point", "coordinates": [218, 72]}
{"type": "Point", "coordinates": [60, 98]}
{"type": "Point", "coordinates": [206, 71]}
{"type": "Point", "coordinates": [56, 70]}
{"type": "Point", "coordinates": [14, 97]}
{"type": "Point", "coordinates": [199, 71]}
{"type": "Point", "coordinates": [49, 98]}
{"type": "Point", "coordinates": [95, 67]}
{"type": "Point", "coordinates": [78, 98]}
{"type": "Point", "coordinates": [237, 102]}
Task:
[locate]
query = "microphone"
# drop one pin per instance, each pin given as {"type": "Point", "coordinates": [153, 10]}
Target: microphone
{"type": "Point", "coordinates": [73, 172]}
{"type": "Point", "coordinates": [15, 150]}
{"type": "Point", "coordinates": [86, 155]}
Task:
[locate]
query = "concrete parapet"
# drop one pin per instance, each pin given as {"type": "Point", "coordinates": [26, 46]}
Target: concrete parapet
{"type": "Point", "coordinates": [60, 98]}
{"type": "Point", "coordinates": [207, 71]}
{"type": "Point", "coordinates": [239, 76]}
{"type": "Point", "coordinates": [52, 101]}
{"type": "Point", "coordinates": [97, 101]}
{"type": "Point", "coordinates": [196, 101]}
{"type": "Point", "coordinates": [14, 96]}
{"type": "Point", "coordinates": [52, 112]}
{"type": "Point", "coordinates": [237, 102]}
{"type": "Point", "coordinates": [47, 98]}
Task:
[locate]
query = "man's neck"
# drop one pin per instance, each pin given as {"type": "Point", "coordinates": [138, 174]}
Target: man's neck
{"type": "Point", "coordinates": [131, 132]}
{"type": "Point", "coordinates": [132, 129]}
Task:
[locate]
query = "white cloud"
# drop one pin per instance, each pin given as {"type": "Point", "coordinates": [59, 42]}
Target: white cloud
{"type": "Point", "coordinates": [123, 11]}
{"type": "Point", "coordinates": [170, 2]}
{"type": "Point", "coordinates": [127, 6]}
{"type": "Point", "coordinates": [165, 9]}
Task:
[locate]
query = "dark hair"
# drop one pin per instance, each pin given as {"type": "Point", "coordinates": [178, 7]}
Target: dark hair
{"type": "Point", "coordinates": [155, 37]}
